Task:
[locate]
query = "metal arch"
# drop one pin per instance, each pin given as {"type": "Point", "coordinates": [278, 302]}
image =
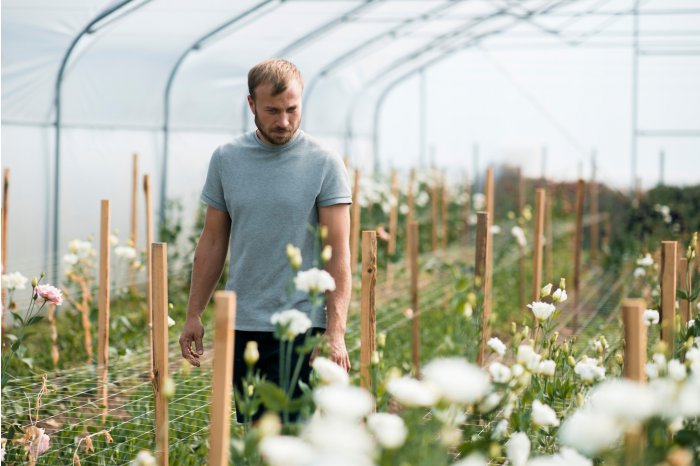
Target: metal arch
{"type": "Point", "coordinates": [341, 60]}
{"type": "Point", "coordinates": [306, 38]}
{"type": "Point", "coordinates": [196, 45]}
{"type": "Point", "coordinates": [88, 29]}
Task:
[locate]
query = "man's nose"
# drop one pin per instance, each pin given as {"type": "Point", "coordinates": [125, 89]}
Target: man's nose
{"type": "Point", "coordinates": [283, 120]}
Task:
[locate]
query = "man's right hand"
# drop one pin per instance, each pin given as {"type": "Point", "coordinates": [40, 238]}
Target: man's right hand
{"type": "Point", "coordinates": [193, 331]}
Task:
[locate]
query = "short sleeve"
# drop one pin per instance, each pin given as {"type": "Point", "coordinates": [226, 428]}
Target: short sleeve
{"type": "Point", "coordinates": [335, 188]}
{"type": "Point", "coordinates": [213, 191]}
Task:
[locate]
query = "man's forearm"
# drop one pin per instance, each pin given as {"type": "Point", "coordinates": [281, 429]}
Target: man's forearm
{"type": "Point", "coordinates": [209, 260]}
{"type": "Point", "coordinates": [337, 301]}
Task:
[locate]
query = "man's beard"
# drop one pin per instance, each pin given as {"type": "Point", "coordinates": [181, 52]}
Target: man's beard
{"type": "Point", "coordinates": [276, 138]}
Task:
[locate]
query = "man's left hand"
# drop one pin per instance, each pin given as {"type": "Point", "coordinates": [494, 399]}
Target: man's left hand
{"type": "Point", "coordinates": [338, 352]}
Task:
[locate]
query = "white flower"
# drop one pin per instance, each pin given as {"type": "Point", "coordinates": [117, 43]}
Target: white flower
{"type": "Point", "coordinates": [457, 380]}
{"type": "Point", "coordinates": [339, 441]}
{"type": "Point", "coordinates": [330, 372]}
{"type": "Point", "coordinates": [691, 322]}
{"type": "Point", "coordinates": [559, 296]}
{"type": "Point", "coordinates": [82, 249]}
{"type": "Point", "coordinates": [479, 201]}
{"type": "Point", "coordinates": [411, 392]}
{"type": "Point", "coordinates": [651, 317]}
{"type": "Point", "coordinates": [519, 235]}
{"type": "Point", "coordinates": [171, 322]}
{"type": "Point", "coordinates": [676, 424]}
{"type": "Point", "coordinates": [499, 372]}
{"type": "Point", "coordinates": [327, 253]}
{"type": "Point", "coordinates": [125, 252]}
{"type": "Point", "coordinates": [70, 259]}
{"type": "Point", "coordinates": [282, 450]}
{"type": "Point", "coordinates": [314, 281]}
{"type": "Point", "coordinates": [294, 256]}
{"type": "Point", "coordinates": [501, 429]}
{"type": "Point", "coordinates": [422, 199]}
{"type": "Point", "coordinates": [497, 346]}
{"type": "Point", "coordinates": [651, 370]}
{"type": "Point", "coordinates": [565, 457]}
{"type": "Point", "coordinates": [113, 240]}
{"type": "Point", "coordinates": [144, 458]}
{"type": "Point", "coordinates": [389, 429]}
{"type": "Point", "coordinates": [468, 310]}
{"type": "Point", "coordinates": [646, 261]}
{"type": "Point", "coordinates": [639, 272]}
{"type": "Point", "coordinates": [495, 230]}
{"type": "Point", "coordinates": [475, 459]}
{"type": "Point", "coordinates": [291, 323]}
{"type": "Point", "coordinates": [676, 370]}
{"type": "Point", "coordinates": [589, 370]}
{"type": "Point", "coordinates": [343, 401]}
{"type": "Point", "coordinates": [490, 402]}
{"type": "Point", "coordinates": [625, 401]}
{"type": "Point", "coordinates": [590, 432]}
{"type": "Point", "coordinates": [518, 449]}
{"type": "Point", "coordinates": [547, 367]}
{"type": "Point", "coordinates": [541, 310]}
{"type": "Point", "coordinates": [14, 281]}
{"type": "Point", "coordinates": [528, 357]}
{"type": "Point", "coordinates": [543, 415]}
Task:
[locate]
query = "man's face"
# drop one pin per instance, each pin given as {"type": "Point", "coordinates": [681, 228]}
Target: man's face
{"type": "Point", "coordinates": [277, 117]}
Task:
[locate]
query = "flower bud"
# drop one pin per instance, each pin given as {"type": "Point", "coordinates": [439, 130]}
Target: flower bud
{"type": "Point", "coordinates": [381, 339]}
{"type": "Point", "coordinates": [324, 232]}
{"type": "Point", "coordinates": [468, 310]}
{"type": "Point", "coordinates": [326, 253]}
{"type": "Point", "coordinates": [579, 399]}
{"type": "Point", "coordinates": [511, 215]}
{"type": "Point", "coordinates": [170, 306]}
{"type": "Point", "coordinates": [168, 389]}
{"type": "Point", "coordinates": [494, 450]}
{"type": "Point", "coordinates": [546, 290]}
{"type": "Point", "coordinates": [565, 347]}
{"type": "Point", "coordinates": [471, 299]}
{"type": "Point", "coordinates": [269, 424]}
{"type": "Point", "coordinates": [35, 282]}
{"type": "Point", "coordinates": [562, 283]}
{"type": "Point", "coordinates": [251, 389]}
{"type": "Point", "coordinates": [571, 361]}
{"type": "Point", "coordinates": [618, 358]}
{"type": "Point", "coordinates": [251, 354]}
{"type": "Point", "coordinates": [374, 359]}
{"type": "Point", "coordinates": [185, 367]}
{"type": "Point", "coordinates": [513, 328]}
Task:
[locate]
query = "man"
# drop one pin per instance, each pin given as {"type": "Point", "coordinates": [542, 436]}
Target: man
{"type": "Point", "coordinates": [263, 190]}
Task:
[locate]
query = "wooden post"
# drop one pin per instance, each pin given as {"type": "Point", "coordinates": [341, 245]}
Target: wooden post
{"type": "Point", "coordinates": [685, 284]}
{"type": "Point", "coordinates": [5, 206]}
{"type": "Point", "coordinates": [54, 336]}
{"type": "Point", "coordinates": [520, 201]}
{"type": "Point", "coordinates": [159, 254]}
{"type": "Point", "coordinates": [595, 223]}
{"type": "Point", "coordinates": [411, 214]}
{"type": "Point", "coordinates": [669, 251]}
{"type": "Point", "coordinates": [490, 208]}
{"type": "Point", "coordinates": [222, 376]}
{"type": "Point", "coordinates": [133, 236]}
{"type": "Point", "coordinates": [355, 222]}
{"type": "Point", "coordinates": [578, 239]}
{"type": "Point", "coordinates": [540, 207]}
{"type": "Point", "coordinates": [368, 319]}
{"type": "Point", "coordinates": [149, 265]}
{"type": "Point", "coordinates": [103, 310]}
{"type": "Point", "coordinates": [412, 239]}
{"type": "Point", "coordinates": [549, 245]}
{"type": "Point", "coordinates": [482, 272]}
{"type": "Point", "coordinates": [467, 212]}
{"type": "Point", "coordinates": [635, 355]}
{"type": "Point", "coordinates": [445, 213]}
{"type": "Point", "coordinates": [434, 209]}
{"type": "Point", "coordinates": [394, 213]}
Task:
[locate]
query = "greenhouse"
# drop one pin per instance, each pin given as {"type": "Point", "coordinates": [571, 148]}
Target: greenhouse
{"type": "Point", "coordinates": [468, 229]}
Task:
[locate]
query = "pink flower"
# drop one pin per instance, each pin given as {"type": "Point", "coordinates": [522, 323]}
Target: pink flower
{"type": "Point", "coordinates": [49, 293]}
{"type": "Point", "coordinates": [40, 445]}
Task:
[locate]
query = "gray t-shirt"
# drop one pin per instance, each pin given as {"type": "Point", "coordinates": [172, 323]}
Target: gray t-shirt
{"type": "Point", "coordinates": [272, 194]}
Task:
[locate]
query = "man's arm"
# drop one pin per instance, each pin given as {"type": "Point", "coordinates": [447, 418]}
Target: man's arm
{"type": "Point", "coordinates": [337, 219]}
{"type": "Point", "coordinates": [209, 260]}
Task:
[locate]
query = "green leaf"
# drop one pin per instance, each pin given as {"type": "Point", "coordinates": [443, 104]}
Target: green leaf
{"type": "Point", "coordinates": [29, 362]}
{"type": "Point", "coordinates": [33, 320]}
{"type": "Point", "coordinates": [15, 345]}
{"type": "Point", "coordinates": [18, 317]}
{"type": "Point", "coordinates": [273, 397]}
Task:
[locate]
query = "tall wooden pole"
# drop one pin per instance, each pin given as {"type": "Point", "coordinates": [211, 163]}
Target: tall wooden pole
{"type": "Point", "coordinates": [355, 222]}
{"type": "Point", "coordinates": [635, 355]}
{"type": "Point", "coordinates": [159, 254]}
{"type": "Point", "coordinates": [684, 284]}
{"type": "Point", "coordinates": [133, 235]}
{"type": "Point", "coordinates": [413, 258]}
{"type": "Point", "coordinates": [537, 234]}
{"type": "Point", "coordinates": [578, 240]}
{"type": "Point", "coordinates": [411, 213]}
{"type": "Point", "coordinates": [595, 223]}
{"type": "Point", "coordinates": [445, 213]}
{"type": "Point", "coordinates": [222, 376]}
{"type": "Point", "coordinates": [489, 188]}
{"type": "Point", "coordinates": [467, 212]}
{"type": "Point", "coordinates": [103, 309]}
{"type": "Point", "coordinates": [482, 273]}
{"type": "Point", "coordinates": [5, 206]}
{"type": "Point", "coordinates": [368, 319]}
{"type": "Point", "coordinates": [393, 213]}
{"type": "Point", "coordinates": [434, 211]}
{"type": "Point", "coordinates": [669, 261]}
{"type": "Point", "coordinates": [549, 243]}
{"type": "Point", "coordinates": [149, 265]}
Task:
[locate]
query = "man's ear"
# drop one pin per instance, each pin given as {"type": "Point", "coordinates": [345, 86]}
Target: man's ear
{"type": "Point", "coordinates": [251, 104]}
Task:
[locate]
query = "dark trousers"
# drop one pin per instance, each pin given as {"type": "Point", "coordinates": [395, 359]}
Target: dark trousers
{"type": "Point", "coordinates": [269, 363]}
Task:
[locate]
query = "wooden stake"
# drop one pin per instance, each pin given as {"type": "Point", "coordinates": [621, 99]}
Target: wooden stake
{"type": "Point", "coordinates": [434, 209]}
{"type": "Point", "coordinates": [355, 222]}
{"type": "Point", "coordinates": [445, 213]}
{"type": "Point", "coordinates": [635, 355]}
{"type": "Point", "coordinates": [368, 319]}
{"type": "Point", "coordinates": [481, 273]}
{"type": "Point", "coordinates": [490, 208]}
{"type": "Point", "coordinates": [54, 336]}
{"type": "Point", "coordinates": [668, 292]}
{"type": "Point", "coordinates": [103, 306]}
{"type": "Point", "coordinates": [595, 223]}
{"type": "Point", "coordinates": [685, 284]}
{"type": "Point", "coordinates": [467, 213]}
{"type": "Point", "coordinates": [411, 214]}
{"type": "Point", "coordinates": [222, 376]}
{"type": "Point", "coordinates": [578, 240]}
{"type": "Point", "coordinates": [412, 239]}
{"type": "Point", "coordinates": [549, 245]}
{"type": "Point", "coordinates": [133, 237]}
{"type": "Point", "coordinates": [159, 254]}
{"type": "Point", "coordinates": [394, 213]}
{"type": "Point", "coordinates": [149, 265]}
{"type": "Point", "coordinates": [521, 250]}
{"type": "Point", "coordinates": [540, 208]}
{"type": "Point", "coordinates": [5, 206]}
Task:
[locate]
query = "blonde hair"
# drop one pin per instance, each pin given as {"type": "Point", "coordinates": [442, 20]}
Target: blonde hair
{"type": "Point", "coordinates": [275, 71]}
